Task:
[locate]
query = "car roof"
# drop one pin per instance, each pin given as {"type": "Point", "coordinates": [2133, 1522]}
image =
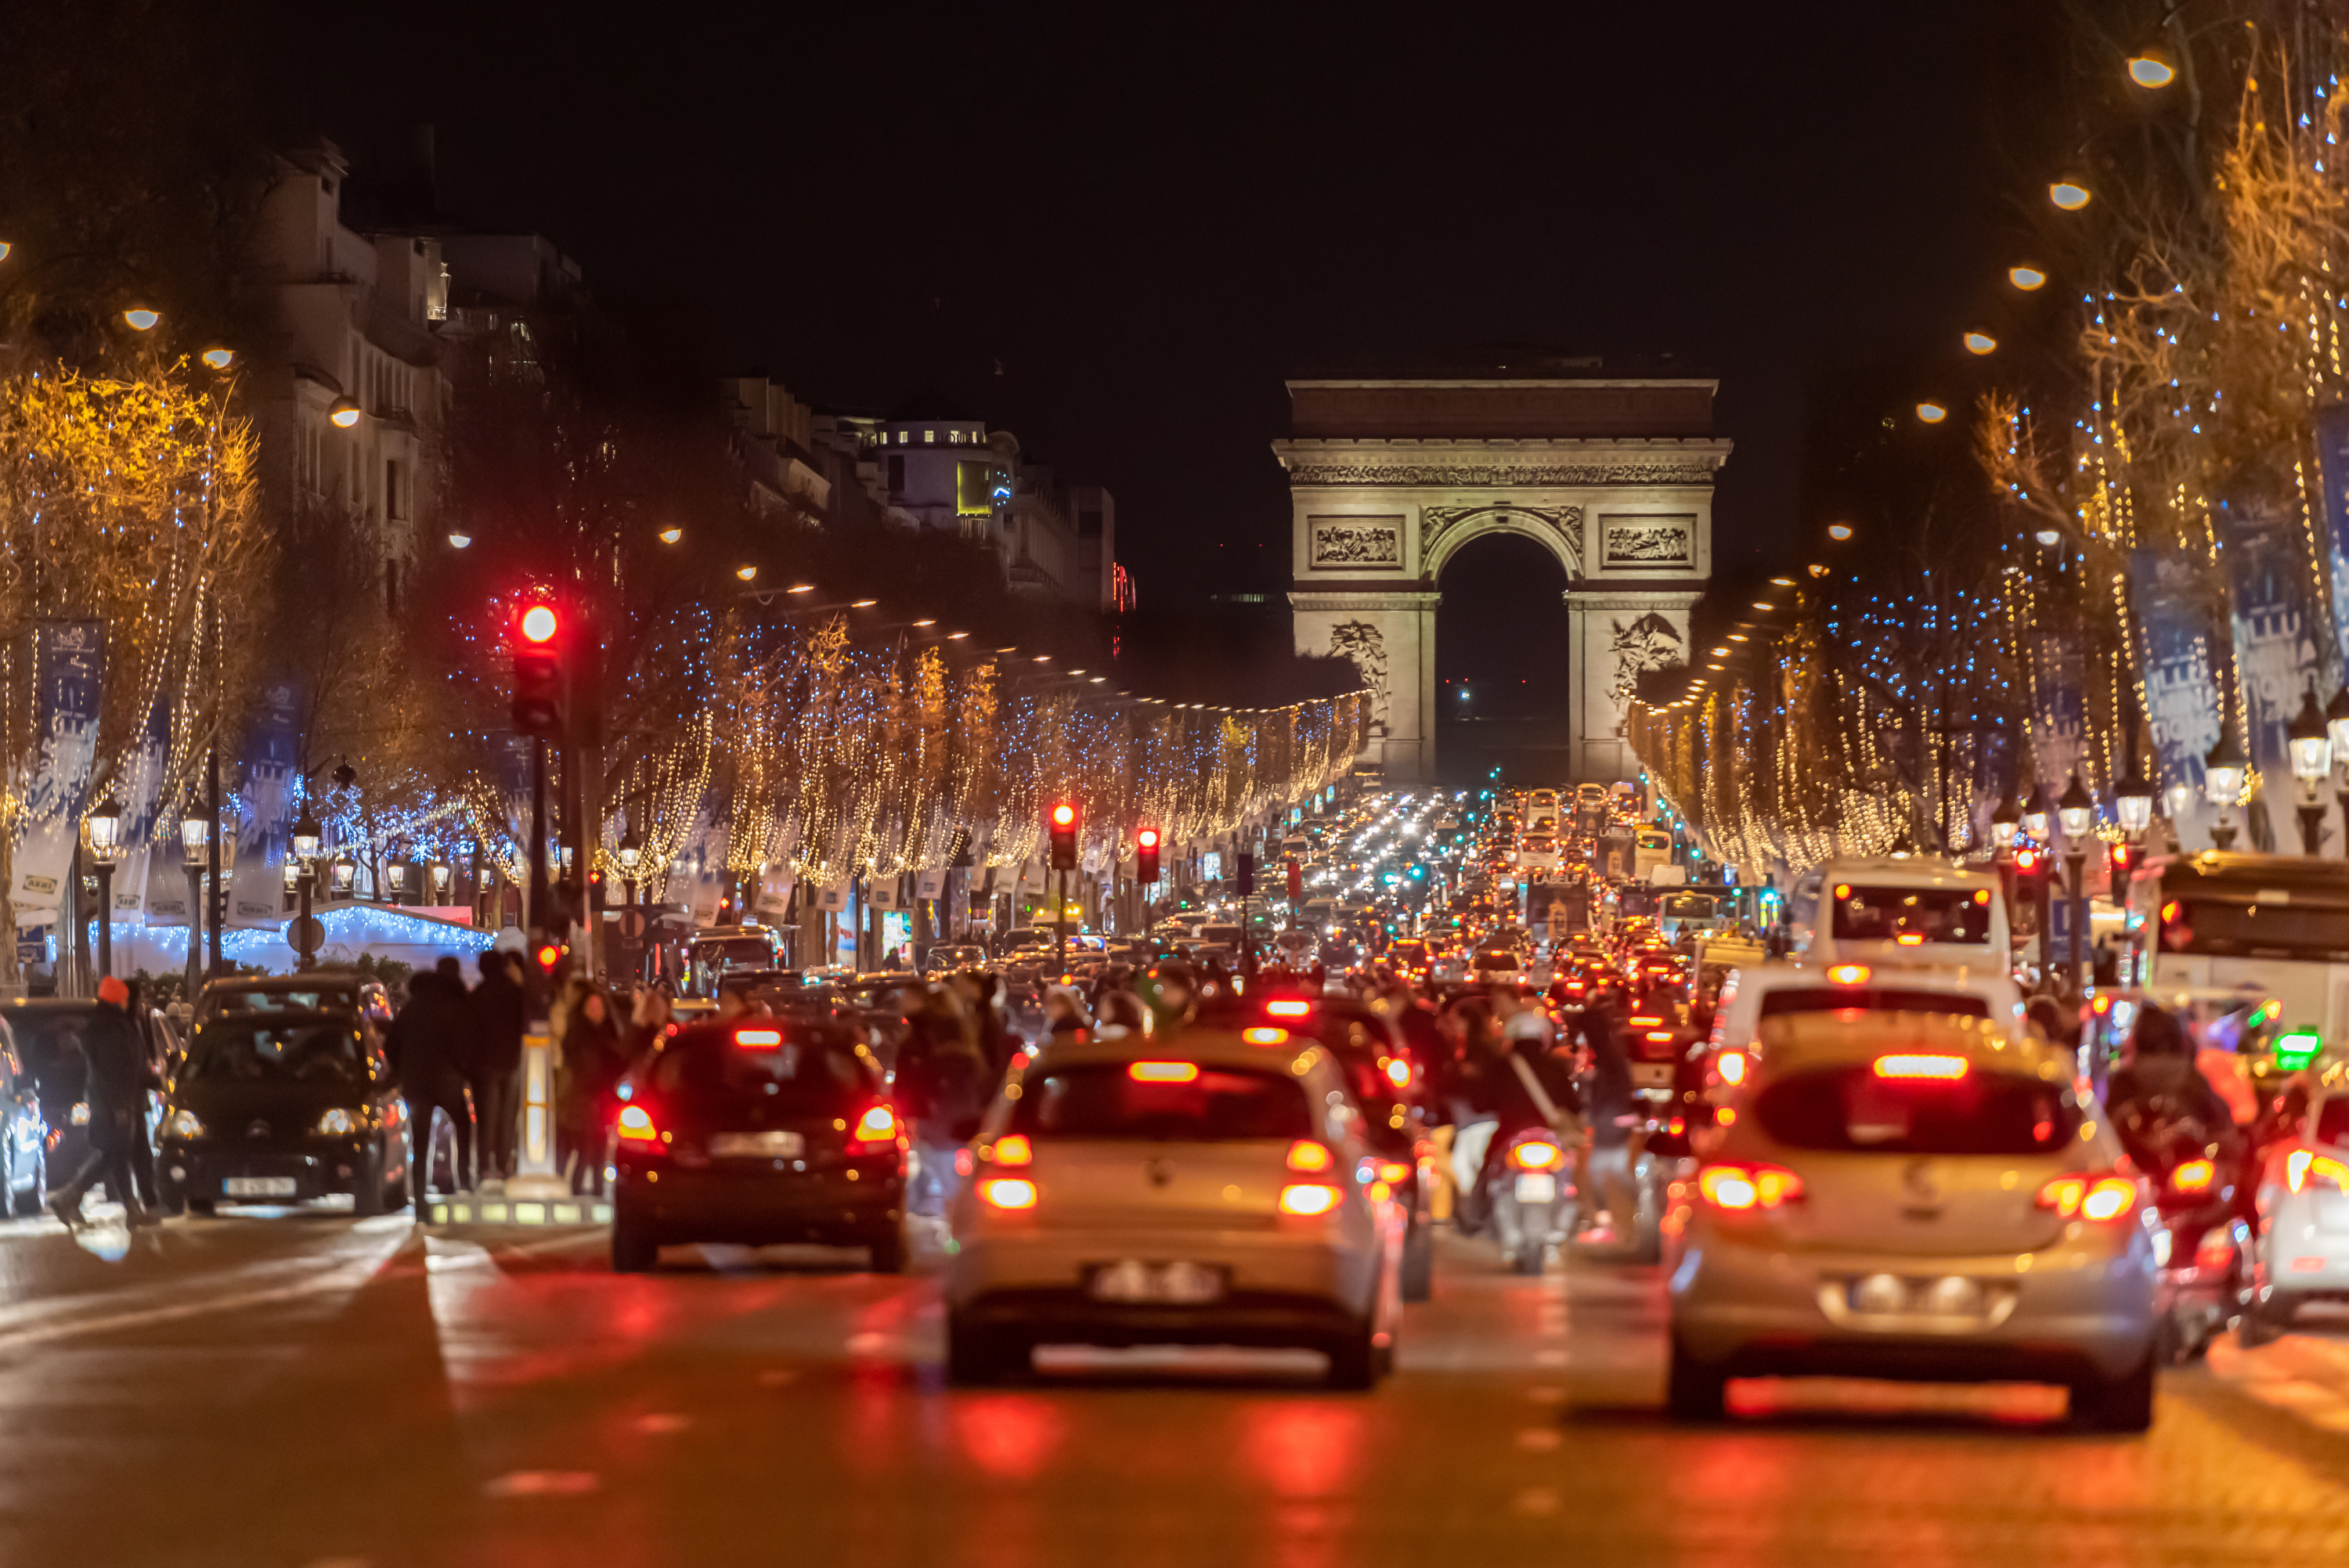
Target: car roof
{"type": "Point", "coordinates": [1208, 1046]}
{"type": "Point", "coordinates": [1807, 1038]}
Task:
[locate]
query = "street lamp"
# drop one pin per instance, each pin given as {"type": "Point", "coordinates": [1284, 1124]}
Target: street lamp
{"type": "Point", "coordinates": [630, 855]}
{"type": "Point", "coordinates": [343, 871]}
{"type": "Point", "coordinates": [105, 847]}
{"type": "Point", "coordinates": [2222, 782]}
{"type": "Point", "coordinates": [2132, 801]}
{"type": "Point", "coordinates": [2077, 810]}
{"type": "Point", "coordinates": [2152, 68]}
{"type": "Point", "coordinates": [2035, 813]}
{"type": "Point", "coordinates": [308, 842]}
{"type": "Point", "coordinates": [2309, 739]}
{"type": "Point", "coordinates": [195, 848]}
{"type": "Point", "coordinates": [440, 881]}
{"type": "Point", "coordinates": [395, 877]}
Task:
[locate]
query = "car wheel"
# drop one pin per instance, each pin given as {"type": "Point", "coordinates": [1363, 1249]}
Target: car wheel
{"type": "Point", "coordinates": [977, 1356]}
{"type": "Point", "coordinates": [1418, 1272]}
{"type": "Point", "coordinates": [2261, 1321]}
{"type": "Point", "coordinates": [26, 1205]}
{"type": "Point", "coordinates": [1693, 1390]}
{"type": "Point", "coordinates": [201, 1206]}
{"type": "Point", "coordinates": [367, 1188]}
{"type": "Point", "coordinates": [888, 1250]}
{"type": "Point", "coordinates": [170, 1198]}
{"type": "Point", "coordinates": [1529, 1256]}
{"type": "Point", "coordinates": [1353, 1359]}
{"type": "Point", "coordinates": [634, 1248]}
{"type": "Point", "coordinates": [2123, 1404]}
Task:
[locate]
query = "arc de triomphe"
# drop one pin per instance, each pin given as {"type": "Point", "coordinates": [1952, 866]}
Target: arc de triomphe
{"type": "Point", "coordinates": [1389, 477]}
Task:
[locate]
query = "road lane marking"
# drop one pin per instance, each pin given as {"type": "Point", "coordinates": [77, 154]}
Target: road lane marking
{"type": "Point", "coordinates": [346, 1276]}
{"type": "Point", "coordinates": [542, 1484]}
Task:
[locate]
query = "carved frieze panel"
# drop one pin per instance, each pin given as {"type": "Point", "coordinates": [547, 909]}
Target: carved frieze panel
{"type": "Point", "coordinates": [1355, 542]}
{"type": "Point", "coordinates": [1645, 541]}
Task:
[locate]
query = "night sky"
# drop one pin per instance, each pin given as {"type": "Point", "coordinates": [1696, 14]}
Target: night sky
{"type": "Point", "coordinates": [1115, 232]}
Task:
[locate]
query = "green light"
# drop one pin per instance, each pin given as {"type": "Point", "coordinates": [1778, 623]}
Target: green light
{"type": "Point", "coordinates": [2298, 1048]}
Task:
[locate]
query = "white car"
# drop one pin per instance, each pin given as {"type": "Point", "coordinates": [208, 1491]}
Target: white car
{"type": "Point", "coordinates": [1920, 1196]}
{"type": "Point", "coordinates": [2300, 1252]}
{"type": "Point", "coordinates": [1216, 1188]}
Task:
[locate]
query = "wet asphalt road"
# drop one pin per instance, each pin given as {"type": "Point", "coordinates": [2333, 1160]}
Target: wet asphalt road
{"type": "Point", "coordinates": [305, 1390]}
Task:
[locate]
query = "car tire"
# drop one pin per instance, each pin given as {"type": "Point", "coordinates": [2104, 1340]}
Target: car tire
{"type": "Point", "coordinates": [1694, 1391]}
{"type": "Point", "coordinates": [887, 1248]}
{"type": "Point", "coordinates": [1530, 1255]}
{"type": "Point", "coordinates": [1417, 1275]}
{"type": "Point", "coordinates": [2260, 1322]}
{"type": "Point", "coordinates": [367, 1187]}
{"type": "Point", "coordinates": [635, 1249]}
{"type": "Point", "coordinates": [977, 1356]}
{"type": "Point", "coordinates": [204, 1206]}
{"type": "Point", "coordinates": [27, 1204]}
{"type": "Point", "coordinates": [1354, 1360]}
{"type": "Point", "coordinates": [2123, 1404]}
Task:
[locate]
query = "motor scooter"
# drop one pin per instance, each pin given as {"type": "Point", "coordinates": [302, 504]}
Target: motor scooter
{"type": "Point", "coordinates": [1530, 1195]}
{"type": "Point", "coordinates": [2197, 1183]}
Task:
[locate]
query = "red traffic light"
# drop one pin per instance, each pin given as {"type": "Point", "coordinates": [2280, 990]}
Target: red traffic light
{"type": "Point", "coordinates": [539, 623]}
{"type": "Point", "coordinates": [1064, 815]}
{"type": "Point", "coordinates": [549, 955]}
{"type": "Point", "coordinates": [1147, 838]}
{"type": "Point", "coordinates": [2026, 859]}
{"type": "Point", "coordinates": [1145, 855]}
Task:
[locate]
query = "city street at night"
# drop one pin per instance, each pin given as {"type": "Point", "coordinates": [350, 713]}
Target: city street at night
{"type": "Point", "coordinates": [308, 1390]}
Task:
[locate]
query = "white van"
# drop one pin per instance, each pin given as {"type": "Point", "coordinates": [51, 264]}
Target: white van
{"type": "Point", "coordinates": [1901, 910]}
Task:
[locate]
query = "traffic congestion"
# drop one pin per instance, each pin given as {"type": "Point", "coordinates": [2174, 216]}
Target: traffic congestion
{"type": "Point", "coordinates": [1450, 1074]}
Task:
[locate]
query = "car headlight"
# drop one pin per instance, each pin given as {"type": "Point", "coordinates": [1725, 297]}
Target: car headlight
{"type": "Point", "coordinates": [184, 1124]}
{"type": "Point", "coordinates": [81, 1117]}
{"type": "Point", "coordinates": [338, 1123]}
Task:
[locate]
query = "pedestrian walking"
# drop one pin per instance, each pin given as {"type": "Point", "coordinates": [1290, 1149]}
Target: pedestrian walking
{"type": "Point", "coordinates": [939, 1073]}
{"type": "Point", "coordinates": [595, 1055]}
{"type": "Point", "coordinates": [427, 1044]}
{"type": "Point", "coordinates": [115, 1057]}
{"type": "Point", "coordinates": [500, 1010]}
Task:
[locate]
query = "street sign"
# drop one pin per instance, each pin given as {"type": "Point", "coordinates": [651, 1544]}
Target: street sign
{"type": "Point", "coordinates": [305, 933]}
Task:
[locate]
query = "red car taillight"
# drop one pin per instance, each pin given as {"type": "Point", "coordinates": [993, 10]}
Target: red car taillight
{"type": "Point", "coordinates": [2091, 1197]}
{"type": "Point", "coordinates": [876, 1129]}
{"type": "Point", "coordinates": [1738, 1188]}
{"type": "Point", "coordinates": [2306, 1168]}
{"type": "Point", "coordinates": [636, 1125]}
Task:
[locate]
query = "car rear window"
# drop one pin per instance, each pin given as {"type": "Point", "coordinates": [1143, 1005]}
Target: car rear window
{"type": "Point", "coordinates": [263, 999]}
{"type": "Point", "coordinates": [1106, 1101]}
{"type": "Point", "coordinates": [1912, 915]}
{"type": "Point", "coordinates": [809, 1063]}
{"type": "Point", "coordinates": [1871, 998]}
{"type": "Point", "coordinates": [1848, 1108]}
{"type": "Point", "coordinates": [244, 1049]}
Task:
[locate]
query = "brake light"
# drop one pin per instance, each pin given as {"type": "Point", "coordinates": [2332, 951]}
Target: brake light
{"type": "Point", "coordinates": [1393, 1170]}
{"type": "Point", "coordinates": [1257, 1036]}
{"type": "Point", "coordinates": [636, 1124]}
{"type": "Point", "coordinates": [1307, 1155]}
{"type": "Point", "coordinates": [878, 1125]}
{"type": "Point", "coordinates": [1008, 1192]}
{"type": "Point", "coordinates": [1848, 973]}
{"type": "Point", "coordinates": [2090, 1197]}
{"type": "Point", "coordinates": [1166, 1072]}
{"type": "Point", "coordinates": [758, 1039]}
{"type": "Point", "coordinates": [1538, 1154]}
{"type": "Point", "coordinates": [1287, 1007]}
{"type": "Point", "coordinates": [2170, 912]}
{"type": "Point", "coordinates": [1738, 1188]}
{"type": "Point", "coordinates": [1940, 1069]}
{"type": "Point", "coordinates": [1659, 1037]}
{"type": "Point", "coordinates": [1646, 1023]}
{"type": "Point", "coordinates": [1013, 1149]}
{"type": "Point", "coordinates": [1732, 1067]}
{"type": "Point", "coordinates": [2217, 1249]}
{"type": "Point", "coordinates": [2305, 1167]}
{"type": "Point", "coordinates": [1398, 1072]}
{"type": "Point", "coordinates": [2194, 1176]}
{"type": "Point", "coordinates": [1308, 1199]}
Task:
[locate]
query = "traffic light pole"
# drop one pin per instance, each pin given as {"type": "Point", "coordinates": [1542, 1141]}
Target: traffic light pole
{"type": "Point", "coordinates": [534, 909]}
{"type": "Point", "coordinates": [1060, 920]}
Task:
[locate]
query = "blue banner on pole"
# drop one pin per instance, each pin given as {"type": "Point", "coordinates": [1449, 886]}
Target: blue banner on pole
{"type": "Point", "coordinates": [69, 682]}
{"type": "Point", "coordinates": [2333, 508]}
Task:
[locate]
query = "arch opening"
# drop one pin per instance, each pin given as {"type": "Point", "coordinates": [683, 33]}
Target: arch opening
{"type": "Point", "coordinates": [1502, 638]}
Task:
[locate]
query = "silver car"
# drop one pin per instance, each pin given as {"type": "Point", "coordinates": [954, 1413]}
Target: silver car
{"type": "Point", "coordinates": [1917, 1196]}
{"type": "Point", "coordinates": [2301, 1250]}
{"type": "Point", "coordinates": [1213, 1189]}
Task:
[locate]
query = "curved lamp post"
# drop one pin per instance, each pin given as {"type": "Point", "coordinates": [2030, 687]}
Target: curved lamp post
{"type": "Point", "coordinates": [105, 849]}
{"type": "Point", "coordinates": [2079, 811]}
{"type": "Point", "coordinates": [2309, 737]}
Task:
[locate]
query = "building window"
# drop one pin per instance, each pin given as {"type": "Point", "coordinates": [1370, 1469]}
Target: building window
{"type": "Point", "coordinates": [929, 437]}
{"type": "Point", "coordinates": [954, 437]}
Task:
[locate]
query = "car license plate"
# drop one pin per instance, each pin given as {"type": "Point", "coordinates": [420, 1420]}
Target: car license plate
{"type": "Point", "coordinates": [258, 1187]}
{"type": "Point", "coordinates": [1174, 1283]}
{"type": "Point", "coordinates": [758, 1145]}
{"type": "Point", "coordinates": [1536, 1187]}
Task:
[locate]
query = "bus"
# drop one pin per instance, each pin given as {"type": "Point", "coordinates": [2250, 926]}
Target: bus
{"type": "Point", "coordinates": [2271, 929]}
{"type": "Point", "coordinates": [1901, 910]}
{"type": "Point", "coordinates": [1697, 911]}
{"type": "Point", "coordinates": [1651, 847]}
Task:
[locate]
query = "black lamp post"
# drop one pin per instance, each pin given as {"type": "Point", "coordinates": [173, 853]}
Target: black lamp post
{"type": "Point", "coordinates": [105, 849]}
{"type": "Point", "coordinates": [307, 842]}
{"type": "Point", "coordinates": [2310, 741]}
{"type": "Point", "coordinates": [2034, 822]}
{"type": "Point", "coordinates": [195, 848]}
{"type": "Point", "coordinates": [2079, 811]}
{"type": "Point", "coordinates": [2222, 782]}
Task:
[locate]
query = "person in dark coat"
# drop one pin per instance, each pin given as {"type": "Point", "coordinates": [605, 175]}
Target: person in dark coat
{"type": "Point", "coordinates": [1611, 1114]}
{"type": "Point", "coordinates": [501, 1011]}
{"type": "Point", "coordinates": [940, 1079]}
{"type": "Point", "coordinates": [427, 1046]}
{"type": "Point", "coordinates": [116, 1056]}
{"type": "Point", "coordinates": [593, 1056]}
